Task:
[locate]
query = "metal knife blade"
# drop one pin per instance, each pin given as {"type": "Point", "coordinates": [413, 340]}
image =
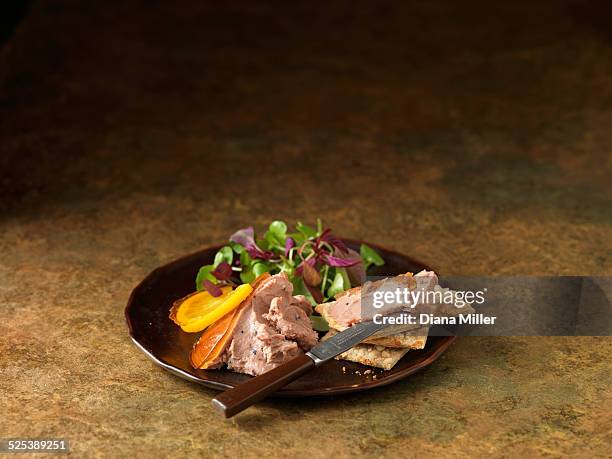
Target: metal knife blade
{"type": "Point", "coordinates": [343, 341]}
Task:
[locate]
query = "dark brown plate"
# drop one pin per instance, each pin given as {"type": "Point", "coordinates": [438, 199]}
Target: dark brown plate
{"type": "Point", "coordinates": [168, 346]}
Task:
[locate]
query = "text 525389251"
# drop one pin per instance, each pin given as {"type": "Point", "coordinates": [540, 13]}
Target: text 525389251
{"type": "Point", "coordinates": [30, 445]}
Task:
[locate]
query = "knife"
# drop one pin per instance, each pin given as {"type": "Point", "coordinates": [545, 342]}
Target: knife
{"type": "Point", "coordinates": [235, 400]}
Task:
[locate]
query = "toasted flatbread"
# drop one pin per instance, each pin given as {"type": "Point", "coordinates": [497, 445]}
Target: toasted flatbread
{"type": "Point", "coordinates": [370, 354]}
{"type": "Point", "coordinates": [414, 339]}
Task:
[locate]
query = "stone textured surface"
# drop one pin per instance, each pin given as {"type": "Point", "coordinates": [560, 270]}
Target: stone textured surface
{"type": "Point", "coordinates": [476, 138]}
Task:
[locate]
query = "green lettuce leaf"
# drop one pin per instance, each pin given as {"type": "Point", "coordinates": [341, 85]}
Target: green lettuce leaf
{"type": "Point", "coordinates": [225, 254]}
{"type": "Point", "coordinates": [337, 285]}
{"type": "Point", "coordinates": [370, 256]}
{"type": "Point", "coordinates": [205, 273]}
{"type": "Point", "coordinates": [319, 323]}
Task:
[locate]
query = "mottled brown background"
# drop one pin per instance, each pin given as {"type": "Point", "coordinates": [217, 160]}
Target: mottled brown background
{"type": "Point", "coordinates": [475, 136]}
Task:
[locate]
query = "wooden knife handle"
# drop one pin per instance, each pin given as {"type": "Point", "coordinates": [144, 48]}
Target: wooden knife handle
{"type": "Point", "coordinates": [233, 401]}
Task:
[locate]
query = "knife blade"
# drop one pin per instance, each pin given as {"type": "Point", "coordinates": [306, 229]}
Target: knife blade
{"type": "Point", "coordinates": [343, 341]}
{"type": "Point", "coordinates": [235, 400]}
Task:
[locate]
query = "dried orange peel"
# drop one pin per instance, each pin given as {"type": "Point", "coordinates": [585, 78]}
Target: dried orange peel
{"type": "Point", "coordinates": [199, 310]}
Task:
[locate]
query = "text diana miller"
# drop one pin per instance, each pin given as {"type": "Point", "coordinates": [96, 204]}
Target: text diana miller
{"type": "Point", "coordinates": [431, 319]}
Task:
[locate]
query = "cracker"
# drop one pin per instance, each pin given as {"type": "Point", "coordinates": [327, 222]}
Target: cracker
{"type": "Point", "coordinates": [405, 340]}
{"type": "Point", "coordinates": [370, 354]}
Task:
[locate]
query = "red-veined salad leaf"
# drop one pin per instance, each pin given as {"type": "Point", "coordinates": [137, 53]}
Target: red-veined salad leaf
{"type": "Point", "coordinates": [246, 238]}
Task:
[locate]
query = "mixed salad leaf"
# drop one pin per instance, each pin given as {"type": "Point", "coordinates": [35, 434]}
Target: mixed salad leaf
{"type": "Point", "coordinates": [318, 263]}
